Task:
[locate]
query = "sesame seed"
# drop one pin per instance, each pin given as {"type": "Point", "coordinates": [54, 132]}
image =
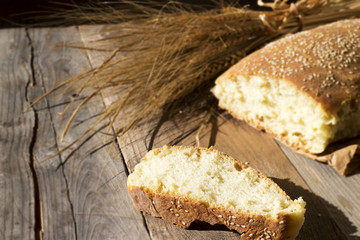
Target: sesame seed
{"type": "Point", "coordinates": [339, 51]}
{"type": "Point", "coordinates": [265, 229]}
{"type": "Point", "coordinates": [172, 202]}
{"type": "Point", "coordinates": [281, 222]}
{"type": "Point", "coordinates": [251, 220]}
{"type": "Point", "coordinates": [243, 226]}
{"type": "Point", "coordinates": [250, 235]}
{"type": "Point", "coordinates": [183, 223]}
{"type": "Point", "coordinates": [177, 214]}
{"type": "Point", "coordinates": [233, 217]}
{"type": "Point", "coordinates": [231, 223]}
{"type": "Point", "coordinates": [220, 216]}
{"type": "Point", "coordinates": [186, 211]}
{"type": "Point", "coordinates": [171, 209]}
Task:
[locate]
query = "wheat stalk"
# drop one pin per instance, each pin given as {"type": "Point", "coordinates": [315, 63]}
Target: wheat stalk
{"type": "Point", "coordinates": [180, 50]}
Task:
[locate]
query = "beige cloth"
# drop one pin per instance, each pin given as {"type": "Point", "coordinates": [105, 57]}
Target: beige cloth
{"type": "Point", "coordinates": [344, 156]}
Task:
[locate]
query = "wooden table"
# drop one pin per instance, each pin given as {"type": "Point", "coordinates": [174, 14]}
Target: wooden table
{"type": "Point", "coordinates": [87, 198]}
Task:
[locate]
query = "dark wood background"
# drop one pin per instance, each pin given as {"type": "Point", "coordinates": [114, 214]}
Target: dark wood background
{"type": "Point", "coordinates": [17, 13]}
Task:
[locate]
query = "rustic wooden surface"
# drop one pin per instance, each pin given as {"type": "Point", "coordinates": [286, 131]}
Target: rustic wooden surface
{"type": "Point", "coordinates": [82, 194]}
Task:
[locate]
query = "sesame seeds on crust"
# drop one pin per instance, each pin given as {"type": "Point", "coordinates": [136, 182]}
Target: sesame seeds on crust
{"type": "Point", "coordinates": [250, 227]}
{"type": "Point", "coordinates": [323, 62]}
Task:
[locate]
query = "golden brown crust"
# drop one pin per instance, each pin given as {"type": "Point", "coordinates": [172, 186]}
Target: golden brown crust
{"type": "Point", "coordinates": [182, 212]}
{"type": "Point", "coordinates": [323, 62]}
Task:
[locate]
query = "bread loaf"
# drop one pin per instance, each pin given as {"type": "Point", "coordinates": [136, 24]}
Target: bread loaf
{"type": "Point", "coordinates": [304, 89]}
{"type": "Point", "coordinates": [185, 184]}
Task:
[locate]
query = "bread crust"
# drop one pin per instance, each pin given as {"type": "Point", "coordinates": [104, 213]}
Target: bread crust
{"type": "Point", "coordinates": [323, 62]}
{"type": "Point", "coordinates": [182, 212]}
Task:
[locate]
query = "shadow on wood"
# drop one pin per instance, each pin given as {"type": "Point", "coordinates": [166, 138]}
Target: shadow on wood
{"type": "Point", "coordinates": [313, 212]}
{"type": "Point", "coordinates": [314, 208]}
{"type": "Point", "coordinates": [183, 111]}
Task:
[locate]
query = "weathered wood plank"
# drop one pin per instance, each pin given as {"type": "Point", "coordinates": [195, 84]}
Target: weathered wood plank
{"type": "Point", "coordinates": [238, 140]}
{"type": "Point", "coordinates": [57, 217]}
{"type": "Point", "coordinates": [17, 190]}
{"type": "Point", "coordinates": [336, 190]}
{"type": "Point", "coordinates": [101, 207]}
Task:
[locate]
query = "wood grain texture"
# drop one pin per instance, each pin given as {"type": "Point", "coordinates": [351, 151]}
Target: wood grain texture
{"type": "Point", "coordinates": [96, 204]}
{"type": "Point", "coordinates": [17, 208]}
{"type": "Point", "coordinates": [57, 217]}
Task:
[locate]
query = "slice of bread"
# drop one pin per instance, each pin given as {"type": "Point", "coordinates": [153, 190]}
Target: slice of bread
{"type": "Point", "coordinates": [185, 184]}
{"type": "Point", "coordinates": [304, 89]}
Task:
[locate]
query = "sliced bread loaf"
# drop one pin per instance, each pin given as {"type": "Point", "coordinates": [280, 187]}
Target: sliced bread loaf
{"type": "Point", "coordinates": [304, 89]}
{"type": "Point", "coordinates": [185, 184]}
